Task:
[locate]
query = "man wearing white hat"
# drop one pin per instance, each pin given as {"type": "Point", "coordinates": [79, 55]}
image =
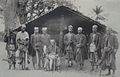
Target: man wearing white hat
{"type": "Point", "coordinates": [22, 40]}
{"type": "Point", "coordinates": [35, 42]}
{"type": "Point", "coordinates": [45, 40]}
{"type": "Point", "coordinates": [80, 47]}
{"type": "Point", "coordinates": [94, 44]}
{"type": "Point", "coordinates": [69, 41]}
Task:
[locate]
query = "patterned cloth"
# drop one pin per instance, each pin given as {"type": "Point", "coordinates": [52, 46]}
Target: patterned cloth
{"type": "Point", "coordinates": [110, 46]}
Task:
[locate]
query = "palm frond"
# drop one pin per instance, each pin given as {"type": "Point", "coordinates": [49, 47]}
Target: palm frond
{"type": "Point", "coordinates": [98, 10]}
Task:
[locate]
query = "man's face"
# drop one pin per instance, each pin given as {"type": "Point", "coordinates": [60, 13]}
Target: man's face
{"type": "Point", "coordinates": [44, 31]}
{"type": "Point", "coordinates": [11, 29]}
{"type": "Point", "coordinates": [52, 43]}
{"type": "Point", "coordinates": [23, 29]}
{"type": "Point", "coordinates": [94, 29]}
{"type": "Point", "coordinates": [70, 29]}
{"type": "Point", "coordinates": [36, 31]}
{"type": "Point", "coordinates": [80, 31]}
{"type": "Point", "coordinates": [108, 32]}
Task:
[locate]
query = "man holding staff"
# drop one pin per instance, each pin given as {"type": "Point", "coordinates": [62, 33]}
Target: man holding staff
{"type": "Point", "coordinates": [36, 44]}
{"type": "Point", "coordinates": [80, 47]}
{"type": "Point", "coordinates": [69, 41]}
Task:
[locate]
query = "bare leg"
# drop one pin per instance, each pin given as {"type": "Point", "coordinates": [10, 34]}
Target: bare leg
{"type": "Point", "coordinates": [10, 65]}
{"type": "Point", "coordinates": [113, 71]}
{"type": "Point", "coordinates": [26, 60]}
{"type": "Point", "coordinates": [51, 64]}
{"type": "Point", "coordinates": [37, 57]}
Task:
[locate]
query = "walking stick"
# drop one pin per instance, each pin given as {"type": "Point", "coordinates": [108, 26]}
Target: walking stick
{"type": "Point", "coordinates": [54, 64]}
{"type": "Point", "coordinates": [37, 57]}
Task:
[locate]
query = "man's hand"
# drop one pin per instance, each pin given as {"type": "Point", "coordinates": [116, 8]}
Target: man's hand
{"type": "Point", "coordinates": [78, 45]}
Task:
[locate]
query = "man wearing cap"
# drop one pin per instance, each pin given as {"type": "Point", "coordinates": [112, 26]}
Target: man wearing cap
{"type": "Point", "coordinates": [35, 42]}
{"type": "Point", "coordinates": [94, 45]}
{"type": "Point", "coordinates": [80, 47]}
{"type": "Point", "coordinates": [69, 41]}
{"type": "Point", "coordinates": [45, 40]}
{"type": "Point", "coordinates": [22, 40]}
{"type": "Point", "coordinates": [109, 46]}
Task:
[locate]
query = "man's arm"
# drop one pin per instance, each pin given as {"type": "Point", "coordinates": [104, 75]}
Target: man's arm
{"type": "Point", "coordinates": [98, 41]}
{"type": "Point", "coordinates": [31, 39]}
{"type": "Point", "coordinates": [17, 37]}
{"type": "Point", "coordinates": [84, 40]}
{"type": "Point", "coordinates": [65, 40]}
{"type": "Point", "coordinates": [116, 46]}
{"type": "Point", "coordinates": [6, 38]}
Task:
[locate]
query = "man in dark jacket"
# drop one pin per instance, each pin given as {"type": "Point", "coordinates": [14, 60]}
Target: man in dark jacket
{"type": "Point", "coordinates": [80, 47]}
{"type": "Point", "coordinates": [69, 41]}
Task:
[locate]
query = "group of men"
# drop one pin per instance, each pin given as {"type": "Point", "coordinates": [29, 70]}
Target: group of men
{"type": "Point", "coordinates": [48, 54]}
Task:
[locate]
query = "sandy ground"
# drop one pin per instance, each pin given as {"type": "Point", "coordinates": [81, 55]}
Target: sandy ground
{"type": "Point", "coordinates": [70, 72]}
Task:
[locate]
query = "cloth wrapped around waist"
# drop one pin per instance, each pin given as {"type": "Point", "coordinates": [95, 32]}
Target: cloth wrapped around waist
{"type": "Point", "coordinates": [23, 48]}
{"type": "Point", "coordinates": [92, 47]}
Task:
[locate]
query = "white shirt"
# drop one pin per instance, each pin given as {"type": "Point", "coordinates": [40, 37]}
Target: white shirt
{"type": "Point", "coordinates": [22, 35]}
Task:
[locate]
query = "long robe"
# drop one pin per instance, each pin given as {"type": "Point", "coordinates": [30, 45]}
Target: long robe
{"type": "Point", "coordinates": [96, 40]}
{"type": "Point", "coordinates": [80, 49]}
{"type": "Point", "coordinates": [109, 45]}
{"type": "Point", "coordinates": [37, 52]}
{"type": "Point", "coordinates": [69, 41]}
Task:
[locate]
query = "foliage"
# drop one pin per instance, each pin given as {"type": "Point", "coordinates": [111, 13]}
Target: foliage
{"type": "Point", "coordinates": [98, 10]}
{"type": "Point", "coordinates": [36, 8]}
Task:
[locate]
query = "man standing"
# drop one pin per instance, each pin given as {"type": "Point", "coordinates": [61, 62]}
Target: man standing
{"type": "Point", "coordinates": [35, 42]}
{"type": "Point", "coordinates": [10, 39]}
{"type": "Point", "coordinates": [109, 46]}
{"type": "Point", "coordinates": [45, 40]}
{"type": "Point", "coordinates": [69, 41]}
{"type": "Point", "coordinates": [80, 47]}
{"type": "Point", "coordinates": [23, 43]}
{"type": "Point", "coordinates": [94, 45]}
